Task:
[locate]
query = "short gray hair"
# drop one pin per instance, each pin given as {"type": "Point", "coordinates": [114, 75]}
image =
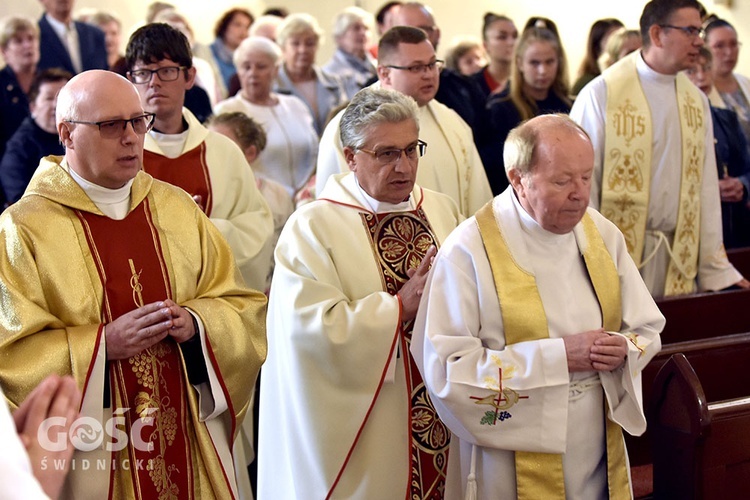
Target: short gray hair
{"type": "Point", "coordinates": [257, 44]}
{"type": "Point", "coordinates": [348, 17]}
{"type": "Point", "coordinates": [296, 24]}
{"type": "Point", "coordinates": [372, 106]}
{"type": "Point", "coordinates": [523, 141]}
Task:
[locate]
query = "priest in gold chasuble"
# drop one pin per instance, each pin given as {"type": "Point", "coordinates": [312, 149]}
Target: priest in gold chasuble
{"type": "Point", "coordinates": [340, 391]}
{"type": "Point", "coordinates": [122, 282]}
{"type": "Point", "coordinates": [533, 331]}
{"type": "Point", "coordinates": [655, 168]}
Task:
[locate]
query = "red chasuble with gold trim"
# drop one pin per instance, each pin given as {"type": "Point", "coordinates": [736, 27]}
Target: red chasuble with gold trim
{"type": "Point", "coordinates": [400, 241]}
{"type": "Point", "coordinates": [188, 171]}
{"type": "Point", "coordinates": [151, 384]}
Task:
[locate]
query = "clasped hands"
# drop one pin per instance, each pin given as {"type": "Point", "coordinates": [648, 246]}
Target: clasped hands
{"type": "Point", "coordinates": [141, 328]}
{"type": "Point", "coordinates": [595, 350]}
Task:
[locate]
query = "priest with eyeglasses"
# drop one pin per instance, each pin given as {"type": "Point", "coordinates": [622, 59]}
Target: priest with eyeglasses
{"type": "Point", "coordinates": [122, 282]}
{"type": "Point", "coordinates": [343, 410]}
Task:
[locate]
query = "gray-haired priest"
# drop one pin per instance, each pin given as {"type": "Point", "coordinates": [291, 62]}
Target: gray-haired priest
{"type": "Point", "coordinates": [343, 411]}
{"type": "Point", "coordinates": [533, 331]}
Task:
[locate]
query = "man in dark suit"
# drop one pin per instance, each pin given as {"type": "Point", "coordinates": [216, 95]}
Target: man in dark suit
{"type": "Point", "coordinates": [68, 44]}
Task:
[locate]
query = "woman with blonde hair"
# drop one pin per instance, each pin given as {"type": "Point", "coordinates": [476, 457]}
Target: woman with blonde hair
{"type": "Point", "coordinates": [619, 44]}
{"type": "Point", "coordinates": [537, 86]}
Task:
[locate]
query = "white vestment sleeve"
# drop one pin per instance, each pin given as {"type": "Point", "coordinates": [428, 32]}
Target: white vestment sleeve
{"type": "Point", "coordinates": [589, 110]}
{"type": "Point", "coordinates": [331, 159]}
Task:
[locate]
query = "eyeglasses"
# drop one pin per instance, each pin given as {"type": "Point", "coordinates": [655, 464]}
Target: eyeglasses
{"type": "Point", "coordinates": [166, 74]}
{"type": "Point", "coordinates": [421, 68]}
{"type": "Point", "coordinates": [113, 129]}
{"type": "Point", "coordinates": [729, 45]}
{"type": "Point", "coordinates": [392, 155]}
{"type": "Point", "coordinates": [690, 31]}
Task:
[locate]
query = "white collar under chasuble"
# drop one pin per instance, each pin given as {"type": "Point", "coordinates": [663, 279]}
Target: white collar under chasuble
{"type": "Point", "coordinates": [374, 205]}
{"type": "Point", "coordinates": [114, 203]}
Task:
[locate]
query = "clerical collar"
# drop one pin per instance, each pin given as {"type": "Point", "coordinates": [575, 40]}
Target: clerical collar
{"type": "Point", "coordinates": [114, 203]}
{"type": "Point", "coordinates": [377, 206]}
{"type": "Point", "coordinates": [532, 227]}
{"type": "Point", "coordinates": [646, 72]}
{"type": "Point", "coordinates": [172, 145]}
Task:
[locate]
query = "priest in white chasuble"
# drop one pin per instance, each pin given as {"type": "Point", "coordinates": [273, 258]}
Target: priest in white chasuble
{"type": "Point", "coordinates": [654, 163]}
{"type": "Point", "coordinates": [533, 330]}
{"type": "Point", "coordinates": [343, 410]}
{"type": "Point", "coordinates": [121, 281]}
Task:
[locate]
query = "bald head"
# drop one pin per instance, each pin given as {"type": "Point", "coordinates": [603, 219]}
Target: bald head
{"type": "Point", "coordinates": [87, 91]}
{"type": "Point", "coordinates": [420, 16]}
{"type": "Point", "coordinates": [523, 142]}
{"type": "Point", "coordinates": [102, 126]}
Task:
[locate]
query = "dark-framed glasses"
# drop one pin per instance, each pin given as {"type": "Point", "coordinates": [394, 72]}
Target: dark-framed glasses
{"type": "Point", "coordinates": [392, 155]}
{"type": "Point", "coordinates": [420, 68]}
{"type": "Point", "coordinates": [166, 74]}
{"type": "Point", "coordinates": [690, 31]}
{"type": "Point", "coordinates": [112, 129]}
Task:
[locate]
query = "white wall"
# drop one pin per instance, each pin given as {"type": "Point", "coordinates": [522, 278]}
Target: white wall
{"type": "Point", "coordinates": [454, 17]}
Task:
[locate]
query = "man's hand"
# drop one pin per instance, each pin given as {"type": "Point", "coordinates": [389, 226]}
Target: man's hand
{"type": "Point", "coordinates": [412, 290]}
{"type": "Point", "coordinates": [743, 283]}
{"type": "Point", "coordinates": [182, 322]}
{"type": "Point", "coordinates": [54, 397]}
{"type": "Point", "coordinates": [595, 350]}
{"type": "Point", "coordinates": [731, 189]}
{"type": "Point", "coordinates": [138, 330]}
{"type": "Point", "coordinates": [578, 349]}
{"type": "Point", "coordinates": [608, 352]}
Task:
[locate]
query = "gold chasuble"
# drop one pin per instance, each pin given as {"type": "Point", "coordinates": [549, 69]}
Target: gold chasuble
{"type": "Point", "coordinates": [540, 475]}
{"type": "Point", "coordinates": [133, 273]}
{"type": "Point", "coordinates": [399, 243]}
{"type": "Point", "coordinates": [626, 176]}
{"type": "Point", "coordinates": [188, 171]}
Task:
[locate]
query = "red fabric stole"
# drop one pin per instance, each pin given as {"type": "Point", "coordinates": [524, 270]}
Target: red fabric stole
{"type": "Point", "coordinates": [131, 267]}
{"type": "Point", "coordinates": [400, 240]}
{"type": "Point", "coordinates": [188, 171]}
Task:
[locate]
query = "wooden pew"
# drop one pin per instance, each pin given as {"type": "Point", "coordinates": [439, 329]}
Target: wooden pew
{"type": "Point", "coordinates": [731, 352]}
{"type": "Point", "coordinates": [700, 427]}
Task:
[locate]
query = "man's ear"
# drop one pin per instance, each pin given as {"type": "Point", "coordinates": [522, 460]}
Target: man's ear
{"type": "Point", "coordinates": [350, 158]}
{"type": "Point", "coordinates": [384, 75]}
{"type": "Point", "coordinates": [63, 130]}
{"type": "Point", "coordinates": [655, 33]}
{"type": "Point", "coordinates": [515, 176]}
{"type": "Point", "coordinates": [190, 78]}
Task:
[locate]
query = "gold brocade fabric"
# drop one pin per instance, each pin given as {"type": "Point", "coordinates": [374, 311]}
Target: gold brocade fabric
{"type": "Point", "coordinates": [399, 242]}
{"type": "Point", "coordinates": [52, 299]}
{"type": "Point", "coordinates": [540, 475]}
{"type": "Point", "coordinates": [628, 159]}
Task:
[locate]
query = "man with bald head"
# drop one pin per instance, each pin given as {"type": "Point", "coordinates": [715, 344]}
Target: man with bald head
{"type": "Point", "coordinates": [122, 282]}
{"type": "Point", "coordinates": [407, 63]}
{"type": "Point", "coordinates": [533, 330]}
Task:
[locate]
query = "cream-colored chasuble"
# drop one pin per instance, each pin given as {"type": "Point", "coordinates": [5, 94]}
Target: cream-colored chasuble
{"type": "Point", "coordinates": [626, 179]}
{"type": "Point", "coordinates": [540, 475]}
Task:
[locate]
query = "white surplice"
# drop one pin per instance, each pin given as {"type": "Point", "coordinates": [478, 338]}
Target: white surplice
{"type": "Point", "coordinates": [459, 345]}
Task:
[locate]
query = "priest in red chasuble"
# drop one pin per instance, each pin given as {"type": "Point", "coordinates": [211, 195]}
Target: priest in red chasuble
{"type": "Point", "coordinates": [121, 281]}
{"type": "Point", "coordinates": [181, 151]}
{"type": "Point", "coordinates": [343, 410]}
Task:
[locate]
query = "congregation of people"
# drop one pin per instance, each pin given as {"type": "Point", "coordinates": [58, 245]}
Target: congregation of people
{"type": "Point", "coordinates": [353, 278]}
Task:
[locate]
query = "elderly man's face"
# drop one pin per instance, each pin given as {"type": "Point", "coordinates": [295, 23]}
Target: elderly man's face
{"type": "Point", "coordinates": [420, 85]}
{"type": "Point", "coordinates": [556, 191]}
{"type": "Point", "coordinates": [106, 161]}
{"type": "Point", "coordinates": [388, 181]}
